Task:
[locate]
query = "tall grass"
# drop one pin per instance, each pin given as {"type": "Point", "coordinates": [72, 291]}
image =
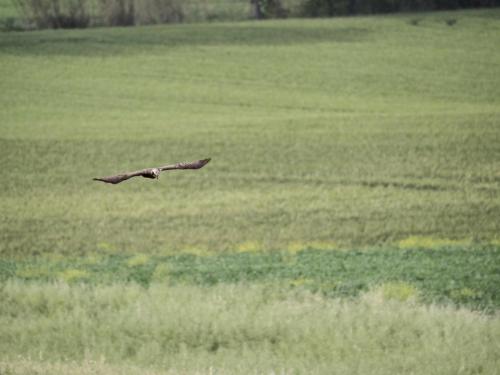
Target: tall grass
{"type": "Point", "coordinates": [240, 329]}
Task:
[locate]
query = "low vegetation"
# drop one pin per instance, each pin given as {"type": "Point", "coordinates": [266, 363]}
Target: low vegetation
{"type": "Point", "coordinates": [424, 311]}
{"type": "Point", "coordinates": [348, 221]}
{"type": "Point", "coordinates": [462, 276]}
{"type": "Point", "coordinates": [234, 329]}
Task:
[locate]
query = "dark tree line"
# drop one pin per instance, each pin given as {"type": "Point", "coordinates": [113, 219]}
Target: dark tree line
{"type": "Point", "coordinates": [83, 13]}
{"type": "Point", "coordinates": [327, 8]}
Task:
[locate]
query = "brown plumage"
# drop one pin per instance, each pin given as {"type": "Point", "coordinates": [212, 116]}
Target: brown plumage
{"type": "Point", "coordinates": [153, 172]}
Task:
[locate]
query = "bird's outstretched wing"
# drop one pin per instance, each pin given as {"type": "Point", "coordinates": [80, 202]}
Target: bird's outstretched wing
{"type": "Point", "coordinates": [152, 172]}
{"type": "Point", "coordinates": [121, 177]}
{"type": "Point", "coordinates": [186, 165]}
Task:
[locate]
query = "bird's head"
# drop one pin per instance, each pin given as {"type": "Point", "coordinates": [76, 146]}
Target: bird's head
{"type": "Point", "coordinates": [156, 172]}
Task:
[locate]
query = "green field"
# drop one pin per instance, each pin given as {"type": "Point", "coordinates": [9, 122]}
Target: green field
{"type": "Point", "coordinates": [235, 329]}
{"type": "Point", "coordinates": [349, 221]}
{"type": "Point", "coordinates": [356, 131]}
{"type": "Point", "coordinates": [460, 275]}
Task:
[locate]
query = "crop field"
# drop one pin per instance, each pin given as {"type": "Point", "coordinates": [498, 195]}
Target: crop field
{"type": "Point", "coordinates": [348, 223]}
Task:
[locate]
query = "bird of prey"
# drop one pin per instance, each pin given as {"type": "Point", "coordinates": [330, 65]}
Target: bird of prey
{"type": "Point", "coordinates": [153, 172]}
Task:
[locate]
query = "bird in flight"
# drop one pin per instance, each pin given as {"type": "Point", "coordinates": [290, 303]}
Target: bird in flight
{"type": "Point", "coordinates": [152, 172]}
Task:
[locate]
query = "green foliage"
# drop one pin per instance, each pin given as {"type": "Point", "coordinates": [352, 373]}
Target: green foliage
{"type": "Point", "coordinates": [138, 260]}
{"type": "Point", "coordinates": [459, 275]}
{"type": "Point", "coordinates": [161, 273]}
{"type": "Point", "coordinates": [319, 8]}
{"type": "Point", "coordinates": [271, 8]}
{"type": "Point", "coordinates": [55, 14]}
{"type": "Point", "coordinates": [422, 242]}
{"type": "Point", "coordinates": [82, 13]}
{"type": "Point", "coordinates": [73, 275]}
{"type": "Point", "coordinates": [118, 12]}
{"type": "Point", "coordinates": [144, 12]}
{"type": "Point", "coordinates": [399, 291]}
{"type": "Point", "coordinates": [190, 329]}
{"type": "Point", "coordinates": [159, 11]}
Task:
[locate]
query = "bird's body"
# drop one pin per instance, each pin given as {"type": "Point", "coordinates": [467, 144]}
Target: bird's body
{"type": "Point", "coordinates": [153, 173]}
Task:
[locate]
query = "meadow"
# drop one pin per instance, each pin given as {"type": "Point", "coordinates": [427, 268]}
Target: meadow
{"type": "Point", "coordinates": [234, 328]}
{"type": "Point", "coordinates": [347, 223]}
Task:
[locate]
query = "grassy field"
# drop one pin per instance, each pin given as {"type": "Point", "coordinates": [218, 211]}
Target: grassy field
{"type": "Point", "coordinates": [236, 329]}
{"type": "Point", "coordinates": [349, 221]}
{"type": "Point", "coordinates": [356, 131]}
{"type": "Point", "coordinates": [463, 276]}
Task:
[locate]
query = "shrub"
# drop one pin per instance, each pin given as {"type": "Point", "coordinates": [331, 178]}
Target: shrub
{"type": "Point", "coordinates": [158, 11]}
{"type": "Point", "coordinates": [55, 14]}
{"type": "Point", "coordinates": [451, 21]}
{"type": "Point", "coordinates": [118, 12]}
{"type": "Point", "coordinates": [317, 8]}
{"type": "Point", "coordinates": [273, 9]}
{"type": "Point", "coordinates": [11, 24]}
{"type": "Point", "coordinates": [415, 21]}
